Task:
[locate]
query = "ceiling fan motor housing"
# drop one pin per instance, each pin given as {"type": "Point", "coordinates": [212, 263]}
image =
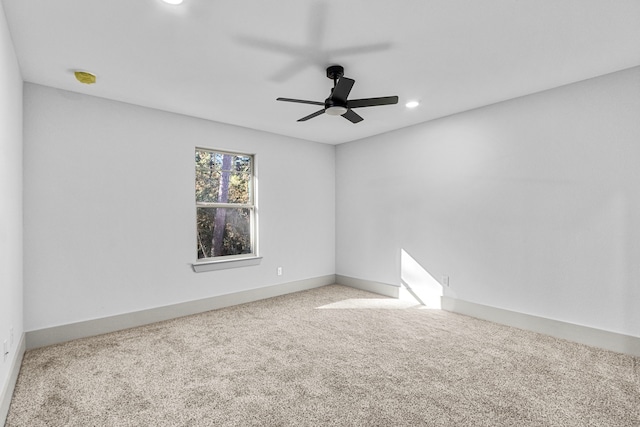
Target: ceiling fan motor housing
{"type": "Point", "coordinates": [334, 107]}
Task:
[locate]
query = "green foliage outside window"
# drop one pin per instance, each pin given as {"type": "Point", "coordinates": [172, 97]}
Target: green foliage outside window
{"type": "Point", "coordinates": [224, 203]}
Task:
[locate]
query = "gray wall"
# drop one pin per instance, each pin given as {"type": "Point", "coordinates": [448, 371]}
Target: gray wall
{"type": "Point", "coordinates": [11, 311]}
{"type": "Point", "coordinates": [531, 205]}
{"type": "Point", "coordinates": [110, 210]}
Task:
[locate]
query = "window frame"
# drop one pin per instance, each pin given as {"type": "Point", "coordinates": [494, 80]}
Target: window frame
{"type": "Point", "coordinates": [237, 260]}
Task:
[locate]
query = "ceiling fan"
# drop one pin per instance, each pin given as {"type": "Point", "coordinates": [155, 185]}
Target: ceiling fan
{"type": "Point", "coordinates": [337, 103]}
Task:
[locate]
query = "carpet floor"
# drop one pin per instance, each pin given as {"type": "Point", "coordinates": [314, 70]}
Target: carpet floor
{"type": "Point", "coordinates": [332, 356]}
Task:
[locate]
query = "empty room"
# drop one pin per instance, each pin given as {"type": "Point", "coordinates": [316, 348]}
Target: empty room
{"type": "Point", "coordinates": [320, 212]}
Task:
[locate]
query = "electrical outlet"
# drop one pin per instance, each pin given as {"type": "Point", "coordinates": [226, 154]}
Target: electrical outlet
{"type": "Point", "coordinates": [445, 280]}
{"type": "Point", "coordinates": [5, 350]}
{"type": "Point", "coordinates": [279, 271]}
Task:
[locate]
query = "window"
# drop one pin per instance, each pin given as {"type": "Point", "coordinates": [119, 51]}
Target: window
{"type": "Point", "coordinates": [225, 205]}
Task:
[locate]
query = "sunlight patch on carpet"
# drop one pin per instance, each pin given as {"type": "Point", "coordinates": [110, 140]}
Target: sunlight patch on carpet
{"type": "Point", "coordinates": [379, 303]}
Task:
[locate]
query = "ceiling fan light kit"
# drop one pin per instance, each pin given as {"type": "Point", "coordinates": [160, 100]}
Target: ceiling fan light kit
{"type": "Point", "coordinates": [336, 110]}
{"type": "Point", "coordinates": [337, 103]}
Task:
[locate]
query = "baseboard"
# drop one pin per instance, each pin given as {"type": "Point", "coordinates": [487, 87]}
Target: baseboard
{"type": "Point", "coordinates": [14, 370]}
{"type": "Point", "coordinates": [368, 285]}
{"type": "Point", "coordinates": [581, 334]}
{"type": "Point", "coordinates": [63, 333]}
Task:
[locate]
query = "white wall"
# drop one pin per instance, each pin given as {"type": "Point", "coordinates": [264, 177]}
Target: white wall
{"type": "Point", "coordinates": [110, 211]}
{"type": "Point", "coordinates": [10, 198]}
{"type": "Point", "coordinates": [531, 205]}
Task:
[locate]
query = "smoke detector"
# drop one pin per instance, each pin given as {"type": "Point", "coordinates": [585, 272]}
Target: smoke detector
{"type": "Point", "coordinates": [85, 77]}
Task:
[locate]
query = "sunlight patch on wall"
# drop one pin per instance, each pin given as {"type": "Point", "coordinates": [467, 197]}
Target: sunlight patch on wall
{"type": "Point", "coordinates": [417, 283]}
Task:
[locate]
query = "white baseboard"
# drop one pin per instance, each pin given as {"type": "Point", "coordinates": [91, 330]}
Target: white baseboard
{"type": "Point", "coordinates": [368, 285]}
{"type": "Point", "coordinates": [14, 370]}
{"type": "Point", "coordinates": [581, 334]}
{"type": "Point", "coordinates": [59, 334]}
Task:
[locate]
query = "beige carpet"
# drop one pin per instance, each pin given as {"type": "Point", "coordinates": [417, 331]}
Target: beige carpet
{"type": "Point", "coordinates": [332, 356]}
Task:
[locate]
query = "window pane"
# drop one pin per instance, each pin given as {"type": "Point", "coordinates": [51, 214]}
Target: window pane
{"type": "Point", "coordinates": [239, 188]}
{"type": "Point", "coordinates": [223, 231]}
{"type": "Point", "coordinates": [223, 178]}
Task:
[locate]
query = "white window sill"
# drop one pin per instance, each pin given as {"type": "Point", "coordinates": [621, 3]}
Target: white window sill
{"type": "Point", "coordinates": [223, 264]}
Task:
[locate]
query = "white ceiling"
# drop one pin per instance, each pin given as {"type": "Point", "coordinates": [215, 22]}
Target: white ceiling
{"type": "Point", "coordinates": [228, 60]}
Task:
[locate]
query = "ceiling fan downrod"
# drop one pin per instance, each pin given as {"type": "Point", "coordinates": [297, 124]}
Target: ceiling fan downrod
{"type": "Point", "coordinates": [334, 72]}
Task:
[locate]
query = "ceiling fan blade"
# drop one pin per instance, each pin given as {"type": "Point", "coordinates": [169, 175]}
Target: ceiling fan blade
{"type": "Point", "coordinates": [311, 116]}
{"type": "Point", "coordinates": [300, 101]}
{"type": "Point", "coordinates": [352, 116]}
{"type": "Point", "coordinates": [342, 89]}
{"type": "Point", "coordinates": [372, 102]}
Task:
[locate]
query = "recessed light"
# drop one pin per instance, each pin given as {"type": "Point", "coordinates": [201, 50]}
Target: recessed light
{"type": "Point", "coordinates": [172, 1]}
{"type": "Point", "coordinates": [412, 104]}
